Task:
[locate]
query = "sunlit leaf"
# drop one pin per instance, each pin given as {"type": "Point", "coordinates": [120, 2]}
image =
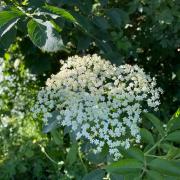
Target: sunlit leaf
{"type": "Point", "coordinates": [44, 35]}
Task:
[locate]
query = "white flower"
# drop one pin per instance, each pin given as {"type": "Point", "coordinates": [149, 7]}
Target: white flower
{"type": "Point", "coordinates": [99, 101]}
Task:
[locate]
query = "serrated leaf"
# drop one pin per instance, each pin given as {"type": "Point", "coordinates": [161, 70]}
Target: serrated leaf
{"type": "Point", "coordinates": [72, 154]}
{"type": "Point", "coordinates": [62, 12]}
{"type": "Point", "coordinates": [44, 35]}
{"type": "Point", "coordinates": [146, 136]}
{"type": "Point", "coordinates": [167, 167]}
{"type": "Point", "coordinates": [52, 122]}
{"type": "Point", "coordinates": [156, 122]}
{"type": "Point", "coordinates": [97, 174]}
{"type": "Point", "coordinates": [174, 136]}
{"type": "Point", "coordinates": [174, 122]}
{"type": "Point", "coordinates": [124, 166]}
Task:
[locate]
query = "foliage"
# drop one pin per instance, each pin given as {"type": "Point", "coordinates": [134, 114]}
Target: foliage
{"type": "Point", "coordinates": [36, 34]}
{"type": "Point", "coordinates": [160, 160]}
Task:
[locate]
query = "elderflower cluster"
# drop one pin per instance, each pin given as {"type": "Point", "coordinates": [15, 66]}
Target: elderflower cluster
{"type": "Point", "coordinates": [98, 101]}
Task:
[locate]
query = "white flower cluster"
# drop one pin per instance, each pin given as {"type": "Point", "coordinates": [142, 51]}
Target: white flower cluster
{"type": "Point", "coordinates": [99, 101]}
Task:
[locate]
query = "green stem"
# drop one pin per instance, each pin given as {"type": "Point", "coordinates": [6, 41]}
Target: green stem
{"type": "Point", "coordinates": [52, 160]}
{"type": "Point", "coordinates": [151, 155]}
{"type": "Point", "coordinates": [144, 169]}
{"type": "Point", "coordinates": [155, 145]}
{"type": "Point", "coordinates": [80, 157]}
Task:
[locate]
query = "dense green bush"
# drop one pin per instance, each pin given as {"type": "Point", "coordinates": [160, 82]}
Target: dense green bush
{"type": "Point", "coordinates": [36, 34]}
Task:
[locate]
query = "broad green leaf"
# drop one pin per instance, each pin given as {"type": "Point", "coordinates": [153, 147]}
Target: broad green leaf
{"type": "Point", "coordinates": [8, 26]}
{"type": "Point", "coordinates": [7, 39]}
{"type": "Point", "coordinates": [44, 35]}
{"type": "Point", "coordinates": [124, 166]}
{"type": "Point", "coordinates": [52, 123]}
{"type": "Point", "coordinates": [6, 16]}
{"type": "Point", "coordinates": [168, 167]}
{"type": "Point", "coordinates": [156, 122]}
{"type": "Point", "coordinates": [133, 176]}
{"type": "Point", "coordinates": [152, 175]}
{"type": "Point", "coordinates": [59, 11]}
{"type": "Point", "coordinates": [133, 152]}
{"type": "Point", "coordinates": [174, 122]}
{"type": "Point", "coordinates": [174, 136]}
{"type": "Point", "coordinates": [146, 136]}
{"type": "Point", "coordinates": [97, 174]}
{"type": "Point", "coordinates": [72, 154]}
{"type": "Point", "coordinates": [116, 177]}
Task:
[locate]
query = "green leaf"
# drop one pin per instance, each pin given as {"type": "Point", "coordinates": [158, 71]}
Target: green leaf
{"type": "Point", "coordinates": [134, 153]}
{"type": "Point", "coordinates": [151, 175]}
{"type": "Point", "coordinates": [6, 16]}
{"type": "Point", "coordinates": [52, 122]}
{"type": "Point", "coordinates": [7, 39]}
{"type": "Point", "coordinates": [101, 22]}
{"type": "Point", "coordinates": [174, 136]}
{"type": "Point", "coordinates": [173, 152]}
{"type": "Point", "coordinates": [62, 12]}
{"type": "Point", "coordinates": [72, 154]}
{"type": "Point", "coordinates": [56, 26]}
{"type": "Point", "coordinates": [84, 22]}
{"type": "Point", "coordinates": [44, 35]}
{"type": "Point", "coordinates": [124, 166]}
{"type": "Point", "coordinates": [57, 137]}
{"type": "Point", "coordinates": [7, 27]}
{"type": "Point", "coordinates": [116, 177]}
{"type": "Point", "coordinates": [174, 122]}
{"type": "Point", "coordinates": [156, 122]}
{"type": "Point", "coordinates": [146, 136]}
{"type": "Point", "coordinates": [133, 176]}
{"type": "Point", "coordinates": [118, 17]}
{"type": "Point", "coordinates": [97, 174]}
{"type": "Point", "coordinates": [168, 167]}
{"type": "Point", "coordinates": [83, 42]}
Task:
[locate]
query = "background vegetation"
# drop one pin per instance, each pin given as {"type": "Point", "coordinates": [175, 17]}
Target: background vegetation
{"type": "Point", "coordinates": [35, 35]}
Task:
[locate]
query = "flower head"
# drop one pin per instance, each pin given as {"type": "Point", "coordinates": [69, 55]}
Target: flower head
{"type": "Point", "coordinates": [99, 101]}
